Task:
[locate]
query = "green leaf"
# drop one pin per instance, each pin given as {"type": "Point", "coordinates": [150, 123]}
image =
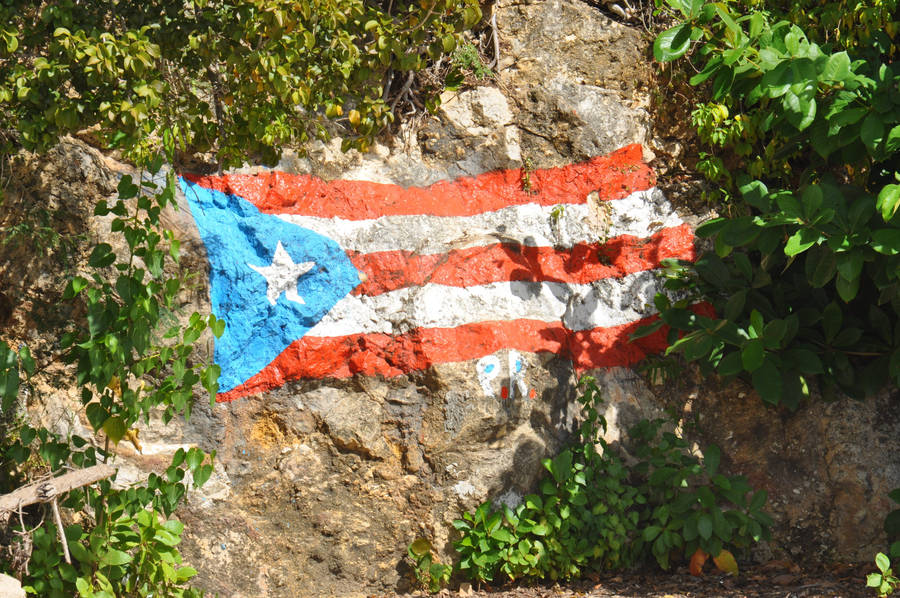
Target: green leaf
{"type": "Point", "coordinates": [892, 144]}
{"type": "Point", "coordinates": [832, 318]}
{"type": "Point", "coordinates": [115, 428]}
{"type": "Point", "coordinates": [847, 289]}
{"type": "Point", "coordinates": [182, 574]}
{"type": "Point", "coordinates": [767, 382]}
{"type": "Point", "coordinates": [672, 43]}
{"type": "Point", "coordinates": [102, 256]}
{"type": "Point", "coordinates": [651, 532]}
{"type": "Point", "coordinates": [821, 266]}
{"type": "Point", "coordinates": [888, 201]}
{"type": "Point", "coordinates": [705, 526]}
{"type": "Point", "coordinates": [115, 557]}
{"type": "Point", "coordinates": [800, 241]}
{"type": "Point", "coordinates": [127, 189]}
{"type": "Point", "coordinates": [202, 475]}
{"type": "Point", "coordinates": [886, 241]}
{"type": "Point", "coordinates": [735, 305]}
{"type": "Point", "coordinates": [872, 132]}
{"type": "Point", "coordinates": [882, 562]}
{"type": "Point", "coordinates": [730, 365]}
{"type": "Point", "coordinates": [753, 355]}
{"type": "Point", "coordinates": [759, 499]}
{"type": "Point", "coordinates": [837, 68]}
{"type": "Point", "coordinates": [804, 360]}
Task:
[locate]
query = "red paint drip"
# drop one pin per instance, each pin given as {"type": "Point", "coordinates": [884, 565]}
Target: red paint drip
{"type": "Point", "coordinates": [504, 392]}
{"type": "Point", "coordinates": [613, 176]}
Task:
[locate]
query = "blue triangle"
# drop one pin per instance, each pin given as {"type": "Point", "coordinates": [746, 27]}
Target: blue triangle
{"type": "Point", "coordinates": [236, 234]}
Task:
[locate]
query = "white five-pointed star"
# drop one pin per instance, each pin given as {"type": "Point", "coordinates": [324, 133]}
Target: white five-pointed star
{"type": "Point", "coordinates": [282, 275]}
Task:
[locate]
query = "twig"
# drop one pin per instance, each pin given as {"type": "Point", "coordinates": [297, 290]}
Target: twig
{"type": "Point", "coordinates": [496, 37]}
{"type": "Point", "coordinates": [59, 528]}
{"type": "Point", "coordinates": [403, 90]}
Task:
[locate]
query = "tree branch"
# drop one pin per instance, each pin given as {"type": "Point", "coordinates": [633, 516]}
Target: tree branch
{"type": "Point", "coordinates": [45, 490]}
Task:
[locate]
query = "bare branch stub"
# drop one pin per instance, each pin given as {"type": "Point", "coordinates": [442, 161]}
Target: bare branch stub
{"type": "Point", "coordinates": [45, 490]}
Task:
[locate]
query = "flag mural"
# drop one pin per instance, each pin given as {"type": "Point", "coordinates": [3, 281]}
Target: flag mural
{"type": "Point", "coordinates": [319, 279]}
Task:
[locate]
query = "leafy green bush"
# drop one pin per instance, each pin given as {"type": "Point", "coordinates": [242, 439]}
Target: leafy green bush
{"type": "Point", "coordinates": [805, 275]}
{"type": "Point", "coordinates": [595, 511]}
{"type": "Point", "coordinates": [244, 77]}
{"type": "Point", "coordinates": [885, 582]}
{"type": "Point", "coordinates": [127, 365]}
{"type": "Point", "coordinates": [430, 574]}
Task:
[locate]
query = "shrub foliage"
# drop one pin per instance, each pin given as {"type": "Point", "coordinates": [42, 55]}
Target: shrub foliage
{"type": "Point", "coordinates": [802, 124]}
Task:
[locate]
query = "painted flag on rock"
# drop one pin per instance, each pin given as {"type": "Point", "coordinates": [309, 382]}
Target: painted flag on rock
{"type": "Point", "coordinates": [319, 279]}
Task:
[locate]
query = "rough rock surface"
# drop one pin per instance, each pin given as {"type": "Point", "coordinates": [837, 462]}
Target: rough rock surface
{"type": "Point", "coordinates": [320, 486]}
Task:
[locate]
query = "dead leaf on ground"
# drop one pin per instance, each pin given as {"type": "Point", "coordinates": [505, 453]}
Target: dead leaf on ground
{"type": "Point", "coordinates": [785, 579]}
{"type": "Point", "coordinates": [697, 561]}
{"type": "Point", "coordinates": [726, 563]}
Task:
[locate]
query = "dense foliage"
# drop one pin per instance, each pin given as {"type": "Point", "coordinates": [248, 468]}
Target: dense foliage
{"type": "Point", "coordinates": [158, 79]}
{"type": "Point", "coordinates": [597, 510]}
{"type": "Point", "coordinates": [802, 125]}
{"type": "Point", "coordinates": [127, 366]}
{"type": "Point", "coordinates": [241, 77]}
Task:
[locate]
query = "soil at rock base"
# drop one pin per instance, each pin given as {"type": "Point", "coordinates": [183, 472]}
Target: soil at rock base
{"type": "Point", "coordinates": [777, 579]}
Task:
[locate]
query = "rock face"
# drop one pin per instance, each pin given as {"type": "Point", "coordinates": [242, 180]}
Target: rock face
{"type": "Point", "coordinates": [322, 482]}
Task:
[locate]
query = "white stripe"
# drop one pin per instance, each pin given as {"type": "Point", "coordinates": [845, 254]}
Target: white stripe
{"type": "Point", "coordinates": [606, 302]}
{"type": "Point", "coordinates": [640, 214]}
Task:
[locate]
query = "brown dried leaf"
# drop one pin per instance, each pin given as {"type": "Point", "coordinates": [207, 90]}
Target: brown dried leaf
{"type": "Point", "coordinates": [697, 561]}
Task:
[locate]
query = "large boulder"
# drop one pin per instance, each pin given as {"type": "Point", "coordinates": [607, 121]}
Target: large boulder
{"type": "Point", "coordinates": [321, 482]}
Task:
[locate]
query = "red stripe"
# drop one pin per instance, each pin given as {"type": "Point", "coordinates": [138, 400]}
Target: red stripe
{"type": "Point", "coordinates": [388, 356]}
{"type": "Point", "coordinates": [390, 270]}
{"type": "Point", "coordinates": [614, 176]}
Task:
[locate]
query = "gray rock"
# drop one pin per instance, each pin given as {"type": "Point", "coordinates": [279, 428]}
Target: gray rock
{"type": "Point", "coordinates": [10, 587]}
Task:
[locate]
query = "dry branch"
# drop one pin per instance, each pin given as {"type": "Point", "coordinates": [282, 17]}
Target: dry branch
{"type": "Point", "coordinates": [45, 490]}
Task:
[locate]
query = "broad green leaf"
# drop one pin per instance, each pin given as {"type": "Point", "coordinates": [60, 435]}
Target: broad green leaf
{"type": "Point", "coordinates": [892, 143]}
{"type": "Point", "coordinates": [183, 574]}
{"type": "Point", "coordinates": [115, 557]}
{"type": "Point", "coordinates": [705, 526]}
{"type": "Point", "coordinates": [800, 241]}
{"type": "Point", "coordinates": [886, 241]}
{"type": "Point", "coordinates": [821, 266]}
{"type": "Point", "coordinates": [888, 201]}
{"type": "Point", "coordinates": [759, 499]}
{"type": "Point", "coordinates": [847, 289]}
{"type": "Point", "coordinates": [753, 355]}
{"type": "Point", "coordinates": [882, 562]}
{"type": "Point", "coordinates": [837, 68]}
{"type": "Point", "coordinates": [651, 532]}
{"type": "Point", "coordinates": [735, 305]}
{"type": "Point", "coordinates": [115, 428]}
{"type": "Point", "coordinates": [804, 360]}
{"type": "Point", "coordinates": [672, 43]}
{"type": "Point", "coordinates": [730, 365]}
{"type": "Point", "coordinates": [872, 132]}
{"type": "Point", "coordinates": [722, 11]}
{"type": "Point", "coordinates": [832, 319]}
{"type": "Point", "coordinates": [767, 382]}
